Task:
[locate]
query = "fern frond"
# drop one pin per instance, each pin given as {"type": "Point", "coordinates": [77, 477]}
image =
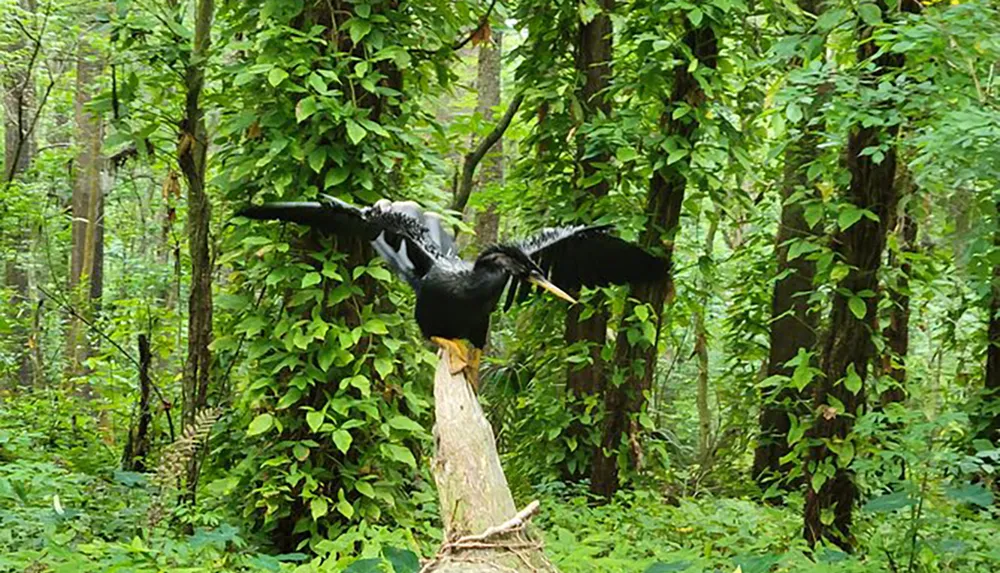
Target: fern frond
{"type": "Point", "coordinates": [180, 453]}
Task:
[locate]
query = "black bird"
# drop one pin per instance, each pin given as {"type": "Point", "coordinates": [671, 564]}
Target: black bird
{"type": "Point", "coordinates": [455, 297]}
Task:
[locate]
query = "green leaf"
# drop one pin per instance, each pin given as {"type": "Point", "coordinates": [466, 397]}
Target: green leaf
{"type": "Point", "coordinates": [342, 439]}
{"type": "Point", "coordinates": [318, 506]}
{"type": "Point", "coordinates": [345, 508]}
{"type": "Point", "coordinates": [641, 312]}
{"type": "Point", "coordinates": [359, 29]}
{"type": "Point", "coordinates": [276, 76]}
{"type": "Point", "coordinates": [696, 16]}
{"type": "Point", "coordinates": [849, 216]}
{"type": "Point", "coordinates": [375, 326]}
{"type": "Point", "coordinates": [402, 560]}
{"type": "Point", "coordinates": [676, 155]}
{"type": "Point", "coordinates": [326, 357]}
{"type": "Point", "coordinates": [816, 481]}
{"type": "Point", "coordinates": [401, 422]}
{"type": "Point", "coordinates": [365, 489]}
{"type": "Point", "coordinates": [889, 502]}
{"type": "Point", "coordinates": [588, 10]}
{"type": "Point", "coordinates": [383, 366]}
{"type": "Point", "coordinates": [852, 381]}
{"type": "Point", "coordinates": [380, 273]}
{"type": "Point", "coordinates": [300, 452]}
{"type": "Point", "coordinates": [839, 271]}
{"type": "Point", "coordinates": [311, 279]}
{"type": "Point", "coordinates": [317, 83]}
{"type": "Point", "coordinates": [371, 565]}
{"type": "Point", "coordinates": [813, 214]}
{"type": "Point", "coordinates": [793, 112]}
{"type": "Point", "coordinates": [626, 154]}
{"type": "Point", "coordinates": [400, 454]}
{"type": "Point", "coordinates": [290, 398]}
{"type": "Point", "coordinates": [260, 424]}
{"type": "Point", "coordinates": [796, 430]}
{"type": "Point", "coordinates": [870, 14]}
{"type": "Point", "coordinates": [317, 158]}
{"type": "Point", "coordinates": [315, 419]}
{"type": "Point", "coordinates": [223, 486]}
{"type": "Point", "coordinates": [361, 382]}
{"type": "Point", "coordinates": [971, 493]}
{"type": "Point", "coordinates": [801, 247]}
{"type": "Point", "coordinates": [355, 132]}
{"type": "Point", "coordinates": [857, 306]}
{"type": "Point", "coordinates": [305, 108]}
{"type": "Point", "coordinates": [336, 176]}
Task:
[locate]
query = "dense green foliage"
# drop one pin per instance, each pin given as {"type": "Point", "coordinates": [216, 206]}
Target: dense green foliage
{"type": "Point", "coordinates": [320, 459]}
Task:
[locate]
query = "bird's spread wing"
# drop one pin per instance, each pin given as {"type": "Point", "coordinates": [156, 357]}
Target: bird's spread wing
{"type": "Point", "coordinates": [581, 256]}
{"type": "Point", "coordinates": [408, 238]}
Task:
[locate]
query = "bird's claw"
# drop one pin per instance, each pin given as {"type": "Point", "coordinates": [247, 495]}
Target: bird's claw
{"type": "Point", "coordinates": [461, 358]}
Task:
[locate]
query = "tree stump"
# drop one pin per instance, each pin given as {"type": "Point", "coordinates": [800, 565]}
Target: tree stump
{"type": "Point", "coordinates": [484, 532]}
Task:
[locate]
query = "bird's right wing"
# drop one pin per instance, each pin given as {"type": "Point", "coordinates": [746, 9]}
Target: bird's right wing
{"type": "Point", "coordinates": [331, 215]}
{"type": "Point", "coordinates": [409, 239]}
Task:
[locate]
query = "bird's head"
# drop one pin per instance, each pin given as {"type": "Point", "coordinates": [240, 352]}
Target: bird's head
{"type": "Point", "coordinates": [513, 261]}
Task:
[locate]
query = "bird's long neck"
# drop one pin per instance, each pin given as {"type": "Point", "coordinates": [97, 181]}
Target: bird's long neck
{"type": "Point", "coordinates": [488, 280]}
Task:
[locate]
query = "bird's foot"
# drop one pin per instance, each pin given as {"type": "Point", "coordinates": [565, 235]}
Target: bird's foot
{"type": "Point", "coordinates": [461, 357]}
{"type": "Point", "coordinates": [458, 354]}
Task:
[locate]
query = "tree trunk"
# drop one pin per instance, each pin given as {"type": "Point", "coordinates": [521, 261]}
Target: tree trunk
{"type": "Point", "coordinates": [491, 171]}
{"type": "Point", "coordinates": [701, 349]}
{"type": "Point", "coordinates": [472, 488]}
{"type": "Point", "coordinates": [625, 400]}
{"type": "Point", "coordinates": [19, 150]}
{"type": "Point", "coordinates": [991, 384]}
{"type": "Point", "coordinates": [793, 325]}
{"type": "Point", "coordinates": [191, 155]}
{"type": "Point", "coordinates": [138, 444]}
{"type": "Point", "coordinates": [593, 64]}
{"type": "Point", "coordinates": [897, 333]}
{"type": "Point", "coordinates": [848, 348]}
{"type": "Point", "coordinates": [87, 255]}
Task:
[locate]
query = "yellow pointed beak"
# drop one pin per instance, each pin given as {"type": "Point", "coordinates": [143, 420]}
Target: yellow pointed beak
{"type": "Point", "coordinates": [541, 281]}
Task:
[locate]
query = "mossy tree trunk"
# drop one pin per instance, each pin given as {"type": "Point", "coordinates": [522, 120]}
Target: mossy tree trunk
{"type": "Point", "coordinates": [624, 400]}
{"type": "Point", "coordinates": [794, 322]}
{"type": "Point", "coordinates": [593, 66]}
{"type": "Point", "coordinates": [839, 395]}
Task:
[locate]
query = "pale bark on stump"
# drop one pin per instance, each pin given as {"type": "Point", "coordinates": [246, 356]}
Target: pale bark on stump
{"type": "Point", "coordinates": [472, 488]}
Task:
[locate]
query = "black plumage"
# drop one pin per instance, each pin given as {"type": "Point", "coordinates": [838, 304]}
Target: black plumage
{"type": "Point", "coordinates": [456, 297]}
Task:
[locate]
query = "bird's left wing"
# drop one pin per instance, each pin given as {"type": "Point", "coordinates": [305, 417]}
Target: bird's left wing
{"type": "Point", "coordinates": [574, 257]}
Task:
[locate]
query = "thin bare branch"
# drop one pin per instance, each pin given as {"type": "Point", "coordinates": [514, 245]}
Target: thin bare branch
{"type": "Point", "coordinates": [473, 158]}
